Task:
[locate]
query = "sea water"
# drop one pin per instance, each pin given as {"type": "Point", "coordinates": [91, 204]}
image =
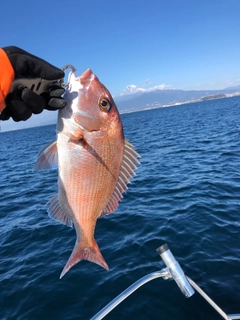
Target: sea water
{"type": "Point", "coordinates": [186, 193]}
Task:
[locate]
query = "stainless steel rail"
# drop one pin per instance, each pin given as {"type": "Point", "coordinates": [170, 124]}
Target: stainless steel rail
{"type": "Point", "coordinates": [212, 303]}
{"type": "Point", "coordinates": [122, 296]}
{"type": "Point", "coordinates": [172, 271]}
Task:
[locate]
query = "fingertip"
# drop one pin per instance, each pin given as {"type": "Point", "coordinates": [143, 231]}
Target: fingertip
{"type": "Point", "coordinates": [56, 91]}
{"type": "Point", "coordinates": [56, 103]}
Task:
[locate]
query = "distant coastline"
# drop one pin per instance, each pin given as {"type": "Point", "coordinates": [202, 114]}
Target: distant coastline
{"type": "Point", "coordinates": [202, 99]}
{"type": "Point", "coordinates": [134, 103]}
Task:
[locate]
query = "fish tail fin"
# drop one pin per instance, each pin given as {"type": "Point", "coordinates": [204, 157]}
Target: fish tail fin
{"type": "Point", "coordinates": [85, 252]}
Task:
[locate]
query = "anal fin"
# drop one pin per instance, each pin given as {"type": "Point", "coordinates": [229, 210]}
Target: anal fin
{"type": "Point", "coordinates": [55, 211]}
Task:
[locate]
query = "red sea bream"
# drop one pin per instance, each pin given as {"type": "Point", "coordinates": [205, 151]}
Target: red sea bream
{"type": "Point", "coordinates": [94, 161]}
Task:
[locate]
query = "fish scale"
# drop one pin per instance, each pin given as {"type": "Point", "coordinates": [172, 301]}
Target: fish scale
{"type": "Point", "coordinates": [90, 190]}
{"type": "Point", "coordinates": [95, 163]}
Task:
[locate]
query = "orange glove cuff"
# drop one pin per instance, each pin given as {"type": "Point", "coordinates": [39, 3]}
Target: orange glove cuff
{"type": "Point", "coordinates": [6, 77]}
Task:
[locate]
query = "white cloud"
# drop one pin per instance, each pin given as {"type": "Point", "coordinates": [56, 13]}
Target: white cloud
{"type": "Point", "coordinates": [160, 87]}
{"type": "Point", "coordinates": [228, 82]}
{"type": "Point", "coordinates": [131, 89]}
{"type": "Point", "coordinates": [233, 82]}
{"type": "Point", "coordinates": [147, 82]}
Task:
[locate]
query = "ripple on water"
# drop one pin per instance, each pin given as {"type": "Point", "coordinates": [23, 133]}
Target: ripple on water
{"type": "Point", "coordinates": [186, 193]}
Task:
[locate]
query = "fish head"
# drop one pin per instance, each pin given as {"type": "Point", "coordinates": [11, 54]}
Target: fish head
{"type": "Point", "coordinates": [93, 109]}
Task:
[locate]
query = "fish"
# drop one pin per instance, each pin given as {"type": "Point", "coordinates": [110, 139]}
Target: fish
{"type": "Point", "coordinates": [95, 163]}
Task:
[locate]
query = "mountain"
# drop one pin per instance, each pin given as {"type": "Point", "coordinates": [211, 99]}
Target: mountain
{"type": "Point", "coordinates": [130, 89]}
{"type": "Point", "coordinates": [234, 88]}
{"type": "Point", "coordinates": [140, 100]}
{"type": "Point", "coordinates": [132, 99]}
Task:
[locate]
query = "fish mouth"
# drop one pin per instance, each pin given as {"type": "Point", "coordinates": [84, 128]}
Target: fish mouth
{"type": "Point", "coordinates": [87, 77]}
{"type": "Point", "coordinates": [86, 121]}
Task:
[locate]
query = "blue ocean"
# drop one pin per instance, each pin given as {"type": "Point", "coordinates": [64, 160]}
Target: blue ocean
{"type": "Point", "coordinates": [186, 194]}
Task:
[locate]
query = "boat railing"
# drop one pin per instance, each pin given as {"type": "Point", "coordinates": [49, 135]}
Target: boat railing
{"type": "Point", "coordinates": [172, 271]}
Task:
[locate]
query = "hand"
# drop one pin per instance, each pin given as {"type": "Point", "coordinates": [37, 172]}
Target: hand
{"type": "Point", "coordinates": [22, 102]}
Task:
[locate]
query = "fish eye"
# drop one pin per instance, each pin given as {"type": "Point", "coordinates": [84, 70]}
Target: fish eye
{"type": "Point", "coordinates": [104, 104]}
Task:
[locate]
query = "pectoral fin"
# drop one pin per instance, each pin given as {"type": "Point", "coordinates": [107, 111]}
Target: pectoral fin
{"type": "Point", "coordinates": [47, 157]}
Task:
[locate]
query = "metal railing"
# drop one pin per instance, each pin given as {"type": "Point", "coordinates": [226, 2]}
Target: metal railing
{"type": "Point", "coordinates": [172, 271]}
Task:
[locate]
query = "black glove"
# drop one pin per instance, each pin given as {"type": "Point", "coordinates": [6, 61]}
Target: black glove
{"type": "Point", "coordinates": [22, 102]}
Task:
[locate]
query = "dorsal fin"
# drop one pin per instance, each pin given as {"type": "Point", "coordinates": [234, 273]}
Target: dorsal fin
{"type": "Point", "coordinates": [129, 165]}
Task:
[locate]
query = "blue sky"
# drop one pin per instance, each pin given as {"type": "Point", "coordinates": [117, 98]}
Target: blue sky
{"type": "Point", "coordinates": [183, 44]}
